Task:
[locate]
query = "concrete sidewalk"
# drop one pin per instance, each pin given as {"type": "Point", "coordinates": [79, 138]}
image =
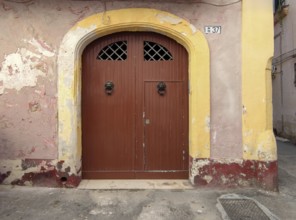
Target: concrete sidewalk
{"type": "Point", "coordinates": [172, 204]}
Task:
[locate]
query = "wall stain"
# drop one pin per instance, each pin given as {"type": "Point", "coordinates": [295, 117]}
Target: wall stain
{"type": "Point", "coordinates": [208, 172]}
{"type": "Point", "coordinates": [48, 175]}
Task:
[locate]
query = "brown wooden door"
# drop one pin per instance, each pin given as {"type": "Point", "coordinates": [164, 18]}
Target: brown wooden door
{"type": "Point", "coordinates": [137, 128]}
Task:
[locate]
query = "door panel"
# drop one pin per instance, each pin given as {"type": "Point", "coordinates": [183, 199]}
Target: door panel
{"type": "Point", "coordinates": [164, 133]}
{"type": "Point", "coordinates": [107, 120]}
{"type": "Point", "coordinates": [116, 143]}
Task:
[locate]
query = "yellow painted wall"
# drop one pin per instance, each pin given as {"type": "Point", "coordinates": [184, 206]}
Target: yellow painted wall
{"type": "Point", "coordinates": [257, 50]}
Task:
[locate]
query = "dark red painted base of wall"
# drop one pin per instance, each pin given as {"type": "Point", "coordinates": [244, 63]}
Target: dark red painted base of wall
{"type": "Point", "coordinates": [204, 172]}
{"type": "Point", "coordinates": [215, 173]}
{"type": "Point", "coordinates": [51, 176]}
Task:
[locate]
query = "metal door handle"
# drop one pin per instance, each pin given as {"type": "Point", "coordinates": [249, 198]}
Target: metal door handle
{"type": "Point", "coordinates": [109, 85]}
{"type": "Point", "coordinates": [161, 88]}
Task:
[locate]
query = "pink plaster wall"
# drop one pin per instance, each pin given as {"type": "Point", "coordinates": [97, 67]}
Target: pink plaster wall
{"type": "Point", "coordinates": [28, 115]}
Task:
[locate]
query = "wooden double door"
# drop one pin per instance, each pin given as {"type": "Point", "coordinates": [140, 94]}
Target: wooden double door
{"type": "Point", "coordinates": [134, 107]}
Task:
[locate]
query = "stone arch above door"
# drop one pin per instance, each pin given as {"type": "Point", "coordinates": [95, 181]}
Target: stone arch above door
{"type": "Point", "coordinates": [136, 19]}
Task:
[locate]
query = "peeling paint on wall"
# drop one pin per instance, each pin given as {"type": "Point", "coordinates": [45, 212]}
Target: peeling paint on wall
{"type": "Point", "coordinates": [38, 172]}
{"type": "Point", "coordinates": [233, 173]}
{"type": "Point", "coordinates": [169, 19]}
{"type": "Point", "coordinates": [28, 87]}
{"type": "Point", "coordinates": [41, 47]}
{"type": "Point", "coordinates": [207, 124]}
{"type": "Point", "coordinates": [193, 28]}
{"type": "Point", "coordinates": [22, 68]}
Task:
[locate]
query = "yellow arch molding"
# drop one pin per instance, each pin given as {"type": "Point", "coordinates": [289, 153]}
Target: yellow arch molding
{"type": "Point", "coordinates": [95, 26]}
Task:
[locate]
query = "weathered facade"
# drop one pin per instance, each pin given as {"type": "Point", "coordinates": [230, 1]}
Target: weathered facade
{"type": "Point", "coordinates": [284, 71]}
{"type": "Point", "coordinates": [229, 45]}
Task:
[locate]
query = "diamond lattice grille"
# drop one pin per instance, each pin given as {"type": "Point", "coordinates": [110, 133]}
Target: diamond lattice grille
{"type": "Point", "coordinates": [156, 52]}
{"type": "Point", "coordinates": [114, 51]}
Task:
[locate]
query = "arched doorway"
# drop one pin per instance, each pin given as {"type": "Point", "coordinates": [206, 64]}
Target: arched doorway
{"type": "Point", "coordinates": [134, 107]}
{"type": "Point", "coordinates": [102, 24]}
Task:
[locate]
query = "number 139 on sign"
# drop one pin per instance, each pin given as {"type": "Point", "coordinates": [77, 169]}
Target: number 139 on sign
{"type": "Point", "coordinates": [212, 29]}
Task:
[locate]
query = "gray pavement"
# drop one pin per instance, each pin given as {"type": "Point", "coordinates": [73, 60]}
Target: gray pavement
{"type": "Point", "coordinates": [48, 203]}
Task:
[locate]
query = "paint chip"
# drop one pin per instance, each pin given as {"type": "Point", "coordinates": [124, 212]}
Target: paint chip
{"type": "Point", "coordinates": [193, 28]}
{"type": "Point", "coordinates": [169, 19]}
{"type": "Point", "coordinates": [19, 70]}
{"type": "Point", "coordinates": [207, 124]}
{"type": "Point", "coordinates": [41, 47]}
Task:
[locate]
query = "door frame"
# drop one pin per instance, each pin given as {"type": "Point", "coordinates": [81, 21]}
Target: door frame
{"type": "Point", "coordinates": [98, 25]}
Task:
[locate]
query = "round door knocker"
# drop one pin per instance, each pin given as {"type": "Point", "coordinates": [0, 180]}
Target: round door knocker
{"type": "Point", "coordinates": [161, 88]}
{"type": "Point", "coordinates": [109, 86]}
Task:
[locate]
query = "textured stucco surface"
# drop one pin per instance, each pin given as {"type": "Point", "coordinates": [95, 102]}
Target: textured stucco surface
{"type": "Point", "coordinates": [28, 80]}
{"type": "Point", "coordinates": [31, 91]}
{"type": "Point", "coordinates": [32, 34]}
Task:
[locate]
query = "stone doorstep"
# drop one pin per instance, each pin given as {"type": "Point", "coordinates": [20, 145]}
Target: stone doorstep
{"type": "Point", "coordinates": [135, 184]}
